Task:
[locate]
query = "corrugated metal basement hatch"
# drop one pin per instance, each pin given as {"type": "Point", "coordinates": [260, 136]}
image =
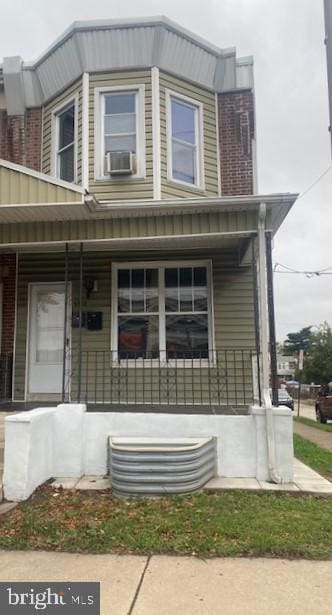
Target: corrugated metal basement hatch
{"type": "Point", "coordinates": [159, 466]}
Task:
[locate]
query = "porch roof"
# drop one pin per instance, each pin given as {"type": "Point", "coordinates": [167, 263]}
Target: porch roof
{"type": "Point", "coordinates": [37, 209]}
{"type": "Point", "coordinates": [21, 186]}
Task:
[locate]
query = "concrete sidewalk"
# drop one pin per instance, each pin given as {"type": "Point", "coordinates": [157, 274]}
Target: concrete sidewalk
{"type": "Point", "coordinates": [163, 585]}
{"type": "Point", "coordinates": [317, 436]}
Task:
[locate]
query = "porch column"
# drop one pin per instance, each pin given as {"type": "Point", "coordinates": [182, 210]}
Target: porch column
{"type": "Point", "coordinates": [263, 305]}
{"type": "Point", "coordinates": [65, 328]}
{"type": "Point", "coordinates": [272, 326]}
{"type": "Point", "coordinates": [256, 314]}
{"type": "Point", "coordinates": [264, 338]}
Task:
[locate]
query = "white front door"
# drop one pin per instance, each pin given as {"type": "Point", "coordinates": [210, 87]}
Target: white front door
{"type": "Point", "coordinates": [46, 338]}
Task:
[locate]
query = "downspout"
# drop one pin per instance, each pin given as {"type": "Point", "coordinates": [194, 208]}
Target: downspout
{"type": "Point", "coordinates": [265, 371]}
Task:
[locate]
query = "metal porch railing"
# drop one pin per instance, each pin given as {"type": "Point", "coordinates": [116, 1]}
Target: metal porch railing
{"type": "Point", "coordinates": [214, 377]}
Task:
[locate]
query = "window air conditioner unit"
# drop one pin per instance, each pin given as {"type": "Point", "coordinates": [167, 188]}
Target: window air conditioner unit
{"type": "Point", "coordinates": [120, 163]}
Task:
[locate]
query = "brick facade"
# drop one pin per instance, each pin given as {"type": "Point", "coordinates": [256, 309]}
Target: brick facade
{"type": "Point", "coordinates": [236, 131]}
{"type": "Point", "coordinates": [20, 138]}
{"type": "Point", "coordinates": [20, 142]}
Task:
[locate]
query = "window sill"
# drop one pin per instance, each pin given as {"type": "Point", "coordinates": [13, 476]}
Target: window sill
{"type": "Point", "coordinates": [108, 179]}
{"type": "Point", "coordinates": [191, 187]}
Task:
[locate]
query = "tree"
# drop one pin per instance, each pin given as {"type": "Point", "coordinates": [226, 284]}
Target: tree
{"type": "Point", "coordinates": [300, 340]}
{"type": "Point", "coordinates": [318, 359]}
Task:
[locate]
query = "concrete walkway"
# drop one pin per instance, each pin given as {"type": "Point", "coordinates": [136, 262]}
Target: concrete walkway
{"type": "Point", "coordinates": [161, 585]}
{"type": "Point", "coordinates": [318, 436]}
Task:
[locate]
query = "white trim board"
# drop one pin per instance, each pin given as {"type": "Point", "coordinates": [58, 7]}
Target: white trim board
{"type": "Point", "coordinates": [156, 133]}
{"type": "Point", "coordinates": [85, 131]}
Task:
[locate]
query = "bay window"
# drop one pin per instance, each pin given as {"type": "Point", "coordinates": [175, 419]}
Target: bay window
{"type": "Point", "coordinates": [161, 311]}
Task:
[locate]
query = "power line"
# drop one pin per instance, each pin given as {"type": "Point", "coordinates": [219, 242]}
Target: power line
{"type": "Point", "coordinates": [308, 274]}
{"type": "Point", "coordinates": [314, 183]}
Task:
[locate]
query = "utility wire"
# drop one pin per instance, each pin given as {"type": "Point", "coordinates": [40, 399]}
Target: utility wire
{"type": "Point", "coordinates": [308, 274]}
{"type": "Point", "coordinates": [315, 182]}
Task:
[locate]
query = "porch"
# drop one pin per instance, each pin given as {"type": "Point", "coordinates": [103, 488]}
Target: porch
{"type": "Point", "coordinates": [72, 316]}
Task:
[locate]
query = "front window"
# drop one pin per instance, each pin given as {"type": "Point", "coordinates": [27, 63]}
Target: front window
{"type": "Point", "coordinates": [65, 151]}
{"type": "Point", "coordinates": [184, 145]}
{"type": "Point", "coordinates": [162, 312]}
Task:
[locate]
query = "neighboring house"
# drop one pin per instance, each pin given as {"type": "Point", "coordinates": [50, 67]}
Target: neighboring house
{"type": "Point", "coordinates": [286, 367]}
{"type": "Point", "coordinates": [133, 243]}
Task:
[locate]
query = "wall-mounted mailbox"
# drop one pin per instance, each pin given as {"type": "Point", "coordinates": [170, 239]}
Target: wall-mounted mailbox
{"type": "Point", "coordinates": [94, 321]}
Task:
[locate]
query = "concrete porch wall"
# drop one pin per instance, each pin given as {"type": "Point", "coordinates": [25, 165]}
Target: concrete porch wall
{"type": "Point", "coordinates": [67, 441]}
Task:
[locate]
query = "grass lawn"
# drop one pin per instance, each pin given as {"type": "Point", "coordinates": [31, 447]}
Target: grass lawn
{"type": "Point", "coordinates": [234, 523]}
{"type": "Point", "coordinates": [317, 458]}
{"type": "Point", "coordinates": [311, 423]}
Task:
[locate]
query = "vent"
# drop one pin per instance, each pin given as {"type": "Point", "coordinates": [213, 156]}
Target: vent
{"type": "Point", "coordinates": [119, 163]}
{"type": "Point", "coordinates": [156, 466]}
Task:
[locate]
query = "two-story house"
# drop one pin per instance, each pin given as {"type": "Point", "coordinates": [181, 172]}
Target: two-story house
{"type": "Point", "coordinates": [133, 242]}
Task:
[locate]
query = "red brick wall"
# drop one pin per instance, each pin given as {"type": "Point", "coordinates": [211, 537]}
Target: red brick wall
{"type": "Point", "coordinates": [8, 273]}
{"type": "Point", "coordinates": [33, 137]}
{"type": "Point", "coordinates": [20, 142]}
{"type": "Point", "coordinates": [20, 138]}
{"type": "Point", "coordinates": [236, 131]}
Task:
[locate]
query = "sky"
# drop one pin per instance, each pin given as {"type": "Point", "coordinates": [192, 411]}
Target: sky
{"type": "Point", "coordinates": [286, 38]}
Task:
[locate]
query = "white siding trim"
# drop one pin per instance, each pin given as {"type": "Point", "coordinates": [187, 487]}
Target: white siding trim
{"type": "Point", "coordinates": [85, 131]}
{"type": "Point", "coordinates": [156, 133]}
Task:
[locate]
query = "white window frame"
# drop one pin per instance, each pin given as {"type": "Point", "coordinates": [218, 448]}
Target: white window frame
{"type": "Point", "coordinates": [99, 153]}
{"type": "Point", "coordinates": [199, 130]}
{"type": "Point", "coordinates": [161, 266]}
{"type": "Point", "coordinates": [57, 111]}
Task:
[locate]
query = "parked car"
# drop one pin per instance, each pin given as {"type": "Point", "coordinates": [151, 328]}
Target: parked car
{"type": "Point", "coordinates": [284, 399]}
{"type": "Point", "coordinates": [324, 404]}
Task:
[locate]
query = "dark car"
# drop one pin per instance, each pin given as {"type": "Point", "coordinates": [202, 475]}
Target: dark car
{"type": "Point", "coordinates": [284, 399]}
{"type": "Point", "coordinates": [324, 404]}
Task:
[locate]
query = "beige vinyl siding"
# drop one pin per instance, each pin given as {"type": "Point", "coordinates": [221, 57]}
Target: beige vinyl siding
{"type": "Point", "coordinates": [233, 319]}
{"type": "Point", "coordinates": [73, 91]}
{"type": "Point", "coordinates": [125, 187]}
{"type": "Point", "coordinates": [131, 228]}
{"type": "Point", "coordinates": [21, 188]}
{"type": "Point", "coordinates": [207, 99]}
{"type": "Point", "coordinates": [36, 268]}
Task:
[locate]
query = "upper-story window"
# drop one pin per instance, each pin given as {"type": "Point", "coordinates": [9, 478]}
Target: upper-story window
{"type": "Point", "coordinates": [185, 141]}
{"type": "Point", "coordinates": [120, 127]}
{"type": "Point", "coordinates": [65, 155]}
{"type": "Point", "coordinates": [120, 122]}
